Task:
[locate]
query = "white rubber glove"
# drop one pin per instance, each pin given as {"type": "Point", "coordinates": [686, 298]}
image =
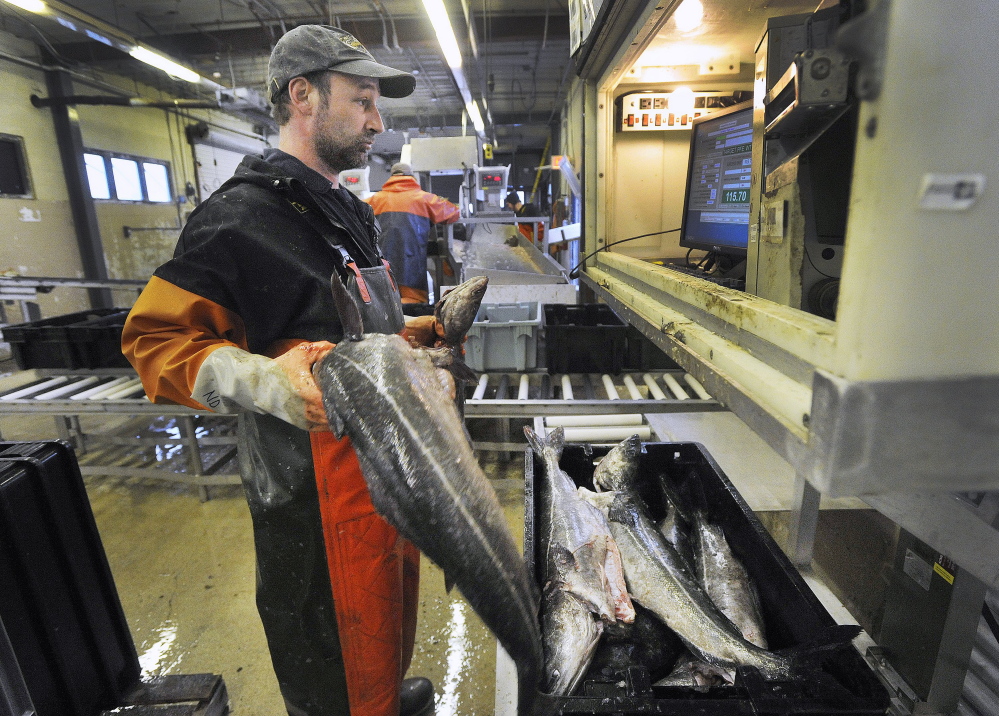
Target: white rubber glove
{"type": "Point", "coordinates": [231, 380]}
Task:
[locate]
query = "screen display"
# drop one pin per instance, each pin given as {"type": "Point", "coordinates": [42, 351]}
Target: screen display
{"type": "Point", "coordinates": [716, 205]}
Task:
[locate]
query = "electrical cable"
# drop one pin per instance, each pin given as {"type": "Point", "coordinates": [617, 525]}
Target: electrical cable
{"type": "Point", "coordinates": [574, 272]}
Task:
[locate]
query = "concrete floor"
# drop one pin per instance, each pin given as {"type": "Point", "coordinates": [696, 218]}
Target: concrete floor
{"type": "Point", "coordinates": [184, 570]}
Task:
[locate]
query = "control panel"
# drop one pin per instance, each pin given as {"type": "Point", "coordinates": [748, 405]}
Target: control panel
{"type": "Point", "coordinates": [650, 111]}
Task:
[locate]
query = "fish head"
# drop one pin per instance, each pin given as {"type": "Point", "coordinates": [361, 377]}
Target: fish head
{"type": "Point", "coordinates": [456, 311]}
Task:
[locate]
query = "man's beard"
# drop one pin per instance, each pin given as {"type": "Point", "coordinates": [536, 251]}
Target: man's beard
{"type": "Point", "coordinates": [338, 155]}
{"type": "Point", "coordinates": [336, 150]}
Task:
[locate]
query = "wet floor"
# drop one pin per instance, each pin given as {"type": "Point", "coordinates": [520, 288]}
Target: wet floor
{"type": "Point", "coordinates": [184, 570]}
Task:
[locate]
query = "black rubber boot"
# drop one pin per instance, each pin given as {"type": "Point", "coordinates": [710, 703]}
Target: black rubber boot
{"type": "Point", "coordinates": [416, 697]}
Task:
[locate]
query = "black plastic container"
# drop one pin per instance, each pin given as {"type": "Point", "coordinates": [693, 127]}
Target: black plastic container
{"type": "Point", "coordinates": [643, 354]}
{"type": "Point", "coordinates": [588, 338]}
{"type": "Point", "coordinates": [58, 601]}
{"type": "Point", "coordinates": [845, 685]}
{"type": "Point", "coordinates": [86, 339]}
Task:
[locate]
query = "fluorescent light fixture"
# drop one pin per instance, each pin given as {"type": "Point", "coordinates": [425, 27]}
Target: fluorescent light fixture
{"type": "Point", "coordinates": [473, 112]}
{"type": "Point", "coordinates": [445, 35]}
{"type": "Point", "coordinates": [162, 63]}
{"type": "Point", "coordinates": [36, 6]}
{"type": "Point", "coordinates": [689, 15]}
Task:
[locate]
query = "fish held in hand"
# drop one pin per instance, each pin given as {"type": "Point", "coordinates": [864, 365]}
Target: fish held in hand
{"type": "Point", "coordinates": [425, 481]}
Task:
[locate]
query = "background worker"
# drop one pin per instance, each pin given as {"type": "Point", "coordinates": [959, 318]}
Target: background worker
{"type": "Point", "coordinates": [407, 216]}
{"type": "Point", "coordinates": [234, 323]}
{"type": "Point", "coordinates": [514, 204]}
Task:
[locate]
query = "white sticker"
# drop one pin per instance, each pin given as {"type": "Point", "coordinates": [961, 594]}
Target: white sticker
{"type": "Point", "coordinates": [26, 214]}
{"type": "Point", "coordinates": [951, 192]}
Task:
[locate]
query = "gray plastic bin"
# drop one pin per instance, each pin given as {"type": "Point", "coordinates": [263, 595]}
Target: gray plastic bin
{"type": "Point", "coordinates": [504, 337]}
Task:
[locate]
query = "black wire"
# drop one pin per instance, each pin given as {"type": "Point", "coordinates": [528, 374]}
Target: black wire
{"type": "Point", "coordinates": [574, 273]}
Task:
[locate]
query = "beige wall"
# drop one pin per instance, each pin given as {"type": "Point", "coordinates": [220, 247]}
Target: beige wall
{"type": "Point", "coordinates": [38, 234]}
{"type": "Point", "coordinates": [648, 179]}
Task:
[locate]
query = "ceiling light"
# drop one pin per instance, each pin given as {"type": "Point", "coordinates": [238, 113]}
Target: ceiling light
{"type": "Point", "coordinates": [473, 112]}
{"type": "Point", "coordinates": [162, 63]}
{"type": "Point", "coordinates": [36, 6]}
{"type": "Point", "coordinates": [689, 15]}
{"type": "Point", "coordinates": [445, 35]}
{"type": "Point", "coordinates": [681, 101]}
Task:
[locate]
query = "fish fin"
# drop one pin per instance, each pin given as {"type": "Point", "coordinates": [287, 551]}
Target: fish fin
{"type": "Point", "coordinates": [813, 652]}
{"type": "Point", "coordinates": [350, 314]}
{"type": "Point", "coordinates": [461, 372]}
{"type": "Point", "coordinates": [448, 583]}
{"type": "Point", "coordinates": [536, 442]}
{"type": "Point", "coordinates": [672, 496]}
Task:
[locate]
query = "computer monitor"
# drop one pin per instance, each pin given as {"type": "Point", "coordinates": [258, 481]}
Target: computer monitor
{"type": "Point", "coordinates": [716, 202]}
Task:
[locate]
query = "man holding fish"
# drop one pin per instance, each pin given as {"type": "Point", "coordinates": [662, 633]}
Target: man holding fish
{"type": "Point", "coordinates": [236, 321]}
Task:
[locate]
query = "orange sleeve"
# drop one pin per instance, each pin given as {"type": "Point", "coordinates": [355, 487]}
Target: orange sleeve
{"type": "Point", "coordinates": [442, 211]}
{"type": "Point", "coordinates": [169, 333]}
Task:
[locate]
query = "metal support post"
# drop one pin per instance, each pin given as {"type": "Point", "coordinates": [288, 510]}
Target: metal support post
{"type": "Point", "coordinates": [70, 141]}
{"type": "Point", "coordinates": [189, 437]}
{"type": "Point", "coordinates": [804, 521]}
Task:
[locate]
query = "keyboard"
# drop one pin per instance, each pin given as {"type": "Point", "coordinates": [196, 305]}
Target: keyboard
{"type": "Point", "coordinates": [738, 284]}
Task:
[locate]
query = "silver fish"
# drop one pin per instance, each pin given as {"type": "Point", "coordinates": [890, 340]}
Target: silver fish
{"type": "Point", "coordinates": [573, 527]}
{"type": "Point", "coordinates": [726, 581]}
{"type": "Point", "coordinates": [581, 560]}
{"type": "Point", "coordinates": [425, 481]}
{"type": "Point", "coordinates": [691, 671]}
{"type": "Point", "coordinates": [673, 594]}
{"type": "Point", "coordinates": [570, 633]}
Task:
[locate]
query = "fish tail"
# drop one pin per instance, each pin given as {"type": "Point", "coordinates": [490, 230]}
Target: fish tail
{"type": "Point", "coordinates": [813, 652]}
{"type": "Point", "coordinates": [549, 447]}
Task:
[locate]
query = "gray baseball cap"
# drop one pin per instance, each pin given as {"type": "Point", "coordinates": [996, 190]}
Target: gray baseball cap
{"type": "Point", "coordinates": [310, 48]}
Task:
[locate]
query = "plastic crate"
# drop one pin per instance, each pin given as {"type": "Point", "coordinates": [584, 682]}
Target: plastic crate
{"type": "Point", "coordinates": [845, 684]}
{"type": "Point", "coordinates": [504, 336]}
{"type": "Point", "coordinates": [86, 339]}
{"type": "Point", "coordinates": [59, 602]}
{"type": "Point", "coordinates": [643, 354]}
{"type": "Point", "coordinates": [588, 338]}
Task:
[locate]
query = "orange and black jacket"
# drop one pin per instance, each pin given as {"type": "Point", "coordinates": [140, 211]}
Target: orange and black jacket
{"type": "Point", "coordinates": [252, 269]}
{"type": "Point", "coordinates": [406, 214]}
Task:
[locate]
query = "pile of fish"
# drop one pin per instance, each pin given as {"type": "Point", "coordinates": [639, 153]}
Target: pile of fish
{"type": "Point", "coordinates": [698, 614]}
{"type": "Point", "coordinates": [388, 397]}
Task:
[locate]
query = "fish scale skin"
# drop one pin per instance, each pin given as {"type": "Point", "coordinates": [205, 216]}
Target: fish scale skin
{"type": "Point", "coordinates": [727, 583]}
{"type": "Point", "coordinates": [675, 597]}
{"type": "Point", "coordinates": [425, 480]}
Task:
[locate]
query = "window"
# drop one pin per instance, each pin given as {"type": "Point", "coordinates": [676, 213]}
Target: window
{"type": "Point", "coordinates": [14, 181]}
{"type": "Point", "coordinates": [126, 178]}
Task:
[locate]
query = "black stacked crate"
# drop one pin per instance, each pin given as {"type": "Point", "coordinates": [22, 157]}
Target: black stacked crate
{"type": "Point", "coordinates": [59, 603]}
{"type": "Point", "coordinates": [86, 339]}
{"type": "Point", "coordinates": [587, 338]}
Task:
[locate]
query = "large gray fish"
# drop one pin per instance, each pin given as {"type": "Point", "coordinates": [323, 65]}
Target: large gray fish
{"type": "Point", "coordinates": [424, 480]}
{"type": "Point", "coordinates": [570, 633]}
{"type": "Point", "coordinates": [675, 596]}
{"type": "Point", "coordinates": [727, 582]}
{"type": "Point", "coordinates": [580, 560]}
